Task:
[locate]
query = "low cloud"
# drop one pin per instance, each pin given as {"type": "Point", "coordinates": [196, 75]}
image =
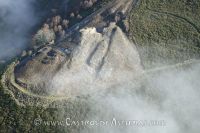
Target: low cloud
{"type": "Point", "coordinates": [171, 97]}
{"type": "Point", "coordinates": [17, 18]}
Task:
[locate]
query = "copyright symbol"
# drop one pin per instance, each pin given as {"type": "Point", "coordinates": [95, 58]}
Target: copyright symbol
{"type": "Point", "coordinates": [38, 121]}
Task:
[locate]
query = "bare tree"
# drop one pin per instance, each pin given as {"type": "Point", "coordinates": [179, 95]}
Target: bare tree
{"type": "Point", "coordinates": [65, 23]}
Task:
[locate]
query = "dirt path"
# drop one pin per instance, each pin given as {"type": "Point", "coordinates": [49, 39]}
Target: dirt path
{"type": "Point", "coordinates": [178, 17]}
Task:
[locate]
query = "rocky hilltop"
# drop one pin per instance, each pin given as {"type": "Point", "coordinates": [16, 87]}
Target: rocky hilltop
{"type": "Point", "coordinates": [94, 52]}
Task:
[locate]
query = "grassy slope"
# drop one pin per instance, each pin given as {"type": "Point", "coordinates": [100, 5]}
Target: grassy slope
{"type": "Point", "coordinates": [166, 31]}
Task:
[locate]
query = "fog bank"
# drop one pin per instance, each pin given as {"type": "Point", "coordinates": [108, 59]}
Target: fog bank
{"type": "Point", "coordinates": [171, 97]}
{"type": "Point", "coordinates": [17, 18]}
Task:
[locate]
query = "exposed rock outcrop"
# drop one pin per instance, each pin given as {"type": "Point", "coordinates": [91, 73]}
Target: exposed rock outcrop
{"type": "Point", "coordinates": [99, 60]}
{"type": "Point", "coordinates": [92, 55]}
